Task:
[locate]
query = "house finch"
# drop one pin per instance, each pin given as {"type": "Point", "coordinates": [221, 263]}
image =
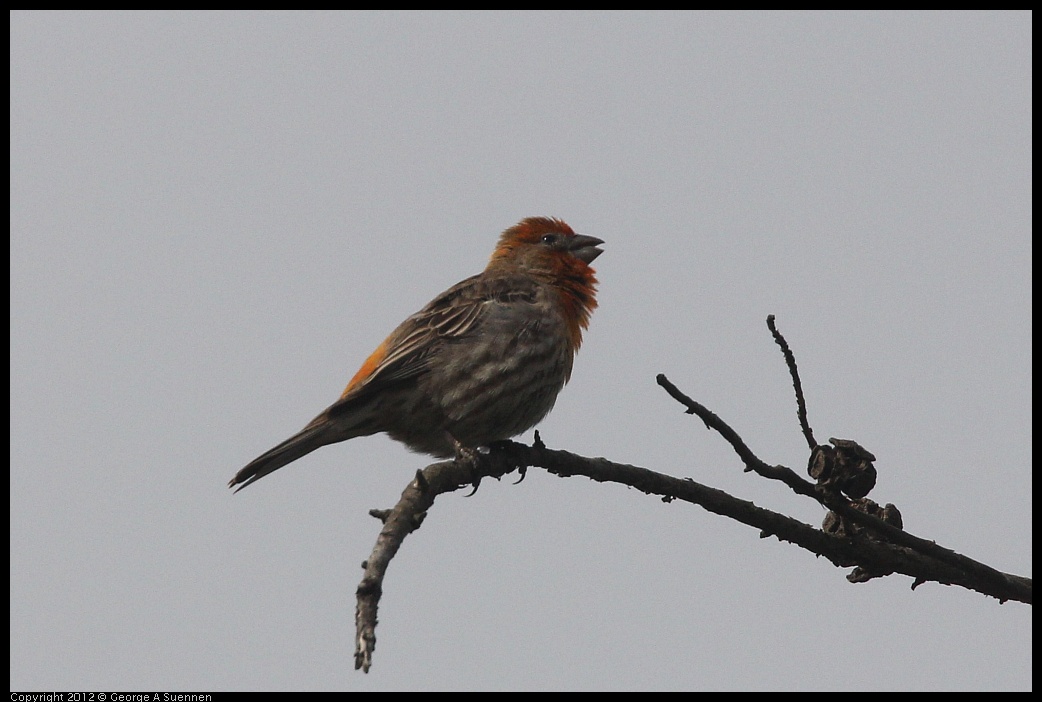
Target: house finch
{"type": "Point", "coordinates": [482, 362]}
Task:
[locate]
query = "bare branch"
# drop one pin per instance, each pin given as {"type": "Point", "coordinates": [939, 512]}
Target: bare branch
{"type": "Point", "coordinates": [975, 575]}
{"type": "Point", "coordinates": [874, 556]}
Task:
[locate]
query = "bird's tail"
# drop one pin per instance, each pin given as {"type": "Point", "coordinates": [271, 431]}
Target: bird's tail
{"type": "Point", "coordinates": [313, 436]}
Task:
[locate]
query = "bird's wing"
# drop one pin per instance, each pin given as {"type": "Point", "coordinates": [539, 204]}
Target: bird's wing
{"type": "Point", "coordinates": [455, 313]}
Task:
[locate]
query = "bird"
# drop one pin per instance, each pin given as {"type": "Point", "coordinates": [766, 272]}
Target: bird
{"type": "Point", "coordinates": [482, 362]}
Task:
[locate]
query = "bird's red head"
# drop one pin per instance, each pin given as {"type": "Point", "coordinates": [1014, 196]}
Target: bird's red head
{"type": "Point", "coordinates": [550, 250]}
{"type": "Point", "coordinates": [543, 243]}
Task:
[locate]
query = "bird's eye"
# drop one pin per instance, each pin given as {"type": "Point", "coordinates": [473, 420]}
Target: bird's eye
{"type": "Point", "coordinates": [549, 239]}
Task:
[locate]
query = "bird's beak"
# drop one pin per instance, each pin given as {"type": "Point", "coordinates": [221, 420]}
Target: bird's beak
{"type": "Point", "coordinates": [584, 247]}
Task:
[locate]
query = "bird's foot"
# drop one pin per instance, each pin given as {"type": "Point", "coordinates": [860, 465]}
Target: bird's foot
{"type": "Point", "coordinates": [470, 458]}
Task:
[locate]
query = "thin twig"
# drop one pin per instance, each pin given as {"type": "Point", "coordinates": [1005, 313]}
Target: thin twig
{"type": "Point", "coordinates": [790, 361]}
{"type": "Point", "coordinates": [751, 460]}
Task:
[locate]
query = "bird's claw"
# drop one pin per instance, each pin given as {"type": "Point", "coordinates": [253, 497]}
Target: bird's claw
{"type": "Point", "coordinates": [468, 457]}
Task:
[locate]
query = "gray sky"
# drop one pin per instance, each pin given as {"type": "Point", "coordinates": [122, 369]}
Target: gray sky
{"type": "Point", "coordinates": [215, 217]}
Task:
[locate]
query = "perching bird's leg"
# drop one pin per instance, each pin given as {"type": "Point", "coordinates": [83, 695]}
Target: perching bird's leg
{"type": "Point", "coordinates": [468, 457]}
